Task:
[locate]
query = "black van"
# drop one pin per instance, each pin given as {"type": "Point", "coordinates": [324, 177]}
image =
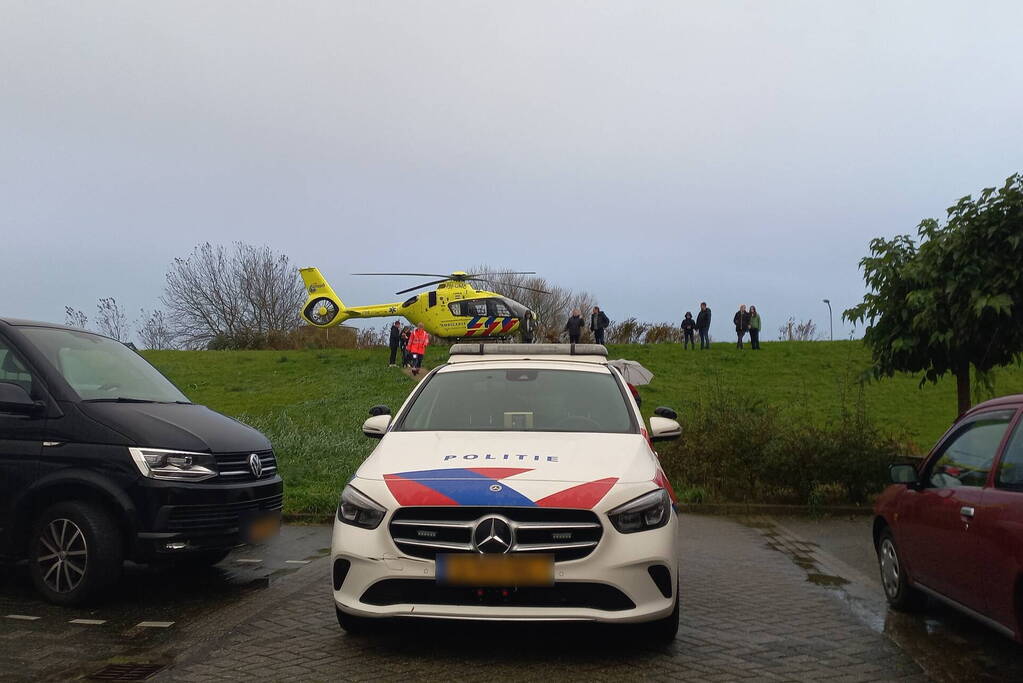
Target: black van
{"type": "Point", "coordinates": [102, 459]}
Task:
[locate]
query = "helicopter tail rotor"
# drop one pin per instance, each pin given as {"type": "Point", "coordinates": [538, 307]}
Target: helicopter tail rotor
{"type": "Point", "coordinates": [323, 308]}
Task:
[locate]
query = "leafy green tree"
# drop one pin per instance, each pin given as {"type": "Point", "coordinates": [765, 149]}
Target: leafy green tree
{"type": "Point", "coordinates": [952, 300]}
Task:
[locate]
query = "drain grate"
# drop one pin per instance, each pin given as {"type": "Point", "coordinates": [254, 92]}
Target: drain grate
{"type": "Point", "coordinates": [126, 672]}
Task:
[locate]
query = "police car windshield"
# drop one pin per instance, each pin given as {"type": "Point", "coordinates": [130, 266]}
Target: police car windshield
{"type": "Point", "coordinates": [101, 369]}
{"type": "Point", "coordinates": [520, 400]}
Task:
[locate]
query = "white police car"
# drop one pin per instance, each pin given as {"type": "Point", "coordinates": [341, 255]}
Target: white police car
{"type": "Point", "coordinates": [517, 482]}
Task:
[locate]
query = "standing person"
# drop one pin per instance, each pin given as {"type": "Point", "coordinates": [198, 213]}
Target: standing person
{"type": "Point", "coordinates": [741, 321]}
{"type": "Point", "coordinates": [703, 325]}
{"type": "Point", "coordinates": [754, 328]}
{"type": "Point", "coordinates": [598, 323]}
{"type": "Point", "coordinates": [688, 327]}
{"type": "Point", "coordinates": [417, 343]}
{"type": "Point", "coordinates": [527, 327]}
{"type": "Point", "coordinates": [406, 332]}
{"type": "Point", "coordinates": [574, 326]}
{"type": "Point", "coordinates": [395, 341]}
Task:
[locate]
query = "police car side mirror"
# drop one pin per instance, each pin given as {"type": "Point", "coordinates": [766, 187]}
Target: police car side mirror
{"type": "Point", "coordinates": [664, 429]}
{"type": "Point", "coordinates": [376, 426]}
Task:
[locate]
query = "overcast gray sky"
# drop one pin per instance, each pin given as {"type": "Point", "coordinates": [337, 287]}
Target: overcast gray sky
{"type": "Point", "coordinates": [654, 153]}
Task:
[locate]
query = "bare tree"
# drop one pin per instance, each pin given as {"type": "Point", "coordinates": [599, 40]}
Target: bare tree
{"type": "Point", "coordinates": [75, 318]}
{"type": "Point", "coordinates": [804, 330]}
{"type": "Point", "coordinates": [111, 320]}
{"type": "Point", "coordinates": [153, 330]}
{"type": "Point", "coordinates": [219, 293]}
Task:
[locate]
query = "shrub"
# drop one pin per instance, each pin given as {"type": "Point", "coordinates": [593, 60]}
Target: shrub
{"type": "Point", "coordinates": [660, 333]}
{"type": "Point", "coordinates": [743, 450]}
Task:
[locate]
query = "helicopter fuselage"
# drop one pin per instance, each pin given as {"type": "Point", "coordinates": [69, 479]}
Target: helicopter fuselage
{"type": "Point", "coordinates": [454, 310]}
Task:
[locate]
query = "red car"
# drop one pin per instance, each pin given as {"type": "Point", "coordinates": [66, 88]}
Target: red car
{"type": "Point", "coordinates": [952, 528]}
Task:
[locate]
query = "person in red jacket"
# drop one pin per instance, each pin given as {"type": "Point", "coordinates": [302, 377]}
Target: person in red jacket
{"type": "Point", "coordinates": [417, 344]}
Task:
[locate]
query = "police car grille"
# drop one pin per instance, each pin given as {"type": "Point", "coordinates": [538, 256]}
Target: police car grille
{"type": "Point", "coordinates": [235, 466]}
{"type": "Point", "coordinates": [426, 531]}
{"type": "Point", "coordinates": [226, 515]}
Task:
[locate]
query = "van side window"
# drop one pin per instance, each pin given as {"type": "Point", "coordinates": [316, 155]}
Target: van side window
{"type": "Point", "coordinates": [13, 370]}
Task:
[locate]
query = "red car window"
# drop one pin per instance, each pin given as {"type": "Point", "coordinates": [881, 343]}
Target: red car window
{"type": "Point", "coordinates": [966, 458]}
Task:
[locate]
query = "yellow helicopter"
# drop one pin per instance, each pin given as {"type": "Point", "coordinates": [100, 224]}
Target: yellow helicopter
{"type": "Point", "coordinates": [454, 310]}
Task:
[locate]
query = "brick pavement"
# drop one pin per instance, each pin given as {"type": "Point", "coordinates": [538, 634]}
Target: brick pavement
{"type": "Point", "coordinates": [748, 613]}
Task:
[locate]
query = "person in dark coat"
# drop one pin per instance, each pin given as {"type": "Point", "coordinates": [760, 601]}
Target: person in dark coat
{"type": "Point", "coordinates": [574, 326]}
{"type": "Point", "coordinates": [703, 325]}
{"type": "Point", "coordinates": [527, 327]}
{"type": "Point", "coordinates": [688, 329]}
{"type": "Point", "coordinates": [406, 332]}
{"type": "Point", "coordinates": [741, 320]}
{"type": "Point", "coordinates": [395, 341]}
{"type": "Point", "coordinates": [598, 323]}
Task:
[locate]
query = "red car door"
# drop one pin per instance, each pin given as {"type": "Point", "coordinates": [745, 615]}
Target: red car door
{"type": "Point", "coordinates": [936, 522]}
{"type": "Point", "coordinates": [998, 524]}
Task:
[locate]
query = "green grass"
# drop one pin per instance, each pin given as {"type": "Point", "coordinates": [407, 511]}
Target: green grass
{"type": "Point", "coordinates": [312, 403]}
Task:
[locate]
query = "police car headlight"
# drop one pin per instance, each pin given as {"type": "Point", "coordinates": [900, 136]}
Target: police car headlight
{"type": "Point", "coordinates": [358, 509]}
{"type": "Point", "coordinates": [649, 511]}
{"type": "Point", "coordinates": [157, 463]}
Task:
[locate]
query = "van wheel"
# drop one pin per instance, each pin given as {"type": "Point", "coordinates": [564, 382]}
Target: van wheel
{"type": "Point", "coordinates": [76, 552]}
{"type": "Point", "coordinates": [900, 594]}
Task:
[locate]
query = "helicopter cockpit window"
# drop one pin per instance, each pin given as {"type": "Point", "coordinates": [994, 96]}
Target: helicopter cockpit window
{"type": "Point", "coordinates": [499, 307]}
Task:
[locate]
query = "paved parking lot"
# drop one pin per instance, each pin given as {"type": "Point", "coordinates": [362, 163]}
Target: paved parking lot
{"type": "Point", "coordinates": [762, 599]}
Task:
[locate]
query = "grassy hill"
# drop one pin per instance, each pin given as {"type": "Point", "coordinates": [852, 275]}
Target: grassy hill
{"type": "Point", "coordinates": [312, 403]}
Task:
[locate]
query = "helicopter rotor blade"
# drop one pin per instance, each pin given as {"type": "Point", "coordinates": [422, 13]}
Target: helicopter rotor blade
{"type": "Point", "coordinates": [411, 274]}
{"type": "Point", "coordinates": [519, 272]}
{"type": "Point", "coordinates": [508, 284]}
{"type": "Point", "coordinates": [425, 284]}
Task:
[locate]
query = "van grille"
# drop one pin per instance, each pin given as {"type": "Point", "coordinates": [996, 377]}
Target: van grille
{"type": "Point", "coordinates": [223, 516]}
{"type": "Point", "coordinates": [426, 531]}
{"type": "Point", "coordinates": [235, 466]}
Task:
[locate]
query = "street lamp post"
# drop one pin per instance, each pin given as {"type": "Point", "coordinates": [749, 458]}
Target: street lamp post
{"type": "Point", "coordinates": [831, 319]}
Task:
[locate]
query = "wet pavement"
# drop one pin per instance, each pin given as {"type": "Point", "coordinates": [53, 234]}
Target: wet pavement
{"type": "Point", "coordinates": [839, 553]}
{"type": "Point", "coordinates": [144, 615]}
{"type": "Point", "coordinates": [762, 599]}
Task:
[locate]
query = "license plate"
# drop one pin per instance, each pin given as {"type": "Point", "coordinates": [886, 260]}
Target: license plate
{"type": "Point", "coordinates": [262, 528]}
{"type": "Point", "coordinates": [495, 570]}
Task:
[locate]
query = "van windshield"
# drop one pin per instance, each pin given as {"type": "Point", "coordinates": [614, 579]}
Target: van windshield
{"type": "Point", "coordinates": [101, 369]}
{"type": "Point", "coordinates": [526, 399]}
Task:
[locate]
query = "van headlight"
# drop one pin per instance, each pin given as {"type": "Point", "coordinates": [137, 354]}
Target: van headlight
{"type": "Point", "coordinates": [157, 463]}
{"type": "Point", "coordinates": [649, 511]}
{"type": "Point", "coordinates": [358, 509]}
